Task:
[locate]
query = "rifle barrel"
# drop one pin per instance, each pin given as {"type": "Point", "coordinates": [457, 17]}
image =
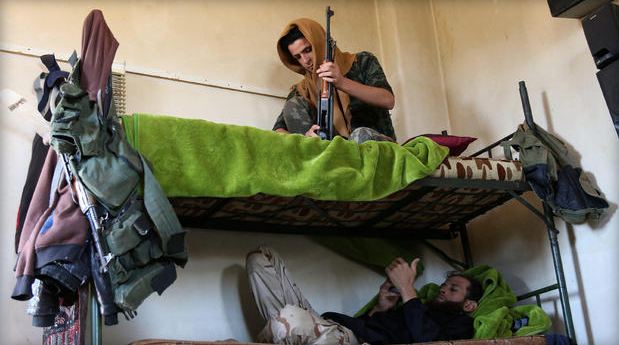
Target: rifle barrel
{"type": "Point", "coordinates": [325, 106]}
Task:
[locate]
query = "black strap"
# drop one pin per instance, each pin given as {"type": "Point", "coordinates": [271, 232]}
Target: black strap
{"type": "Point", "coordinates": [54, 78]}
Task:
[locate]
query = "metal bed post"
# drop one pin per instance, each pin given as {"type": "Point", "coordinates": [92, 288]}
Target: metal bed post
{"type": "Point", "coordinates": [548, 218]}
{"type": "Point", "coordinates": [96, 335]}
{"type": "Point", "coordinates": [558, 265]}
{"type": "Point", "coordinates": [466, 244]}
{"type": "Point", "coordinates": [552, 231]}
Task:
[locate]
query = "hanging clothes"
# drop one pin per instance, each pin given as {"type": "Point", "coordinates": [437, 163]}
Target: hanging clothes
{"type": "Point", "coordinates": [555, 177]}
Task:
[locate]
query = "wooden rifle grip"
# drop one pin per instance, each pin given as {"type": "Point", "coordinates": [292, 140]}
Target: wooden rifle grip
{"type": "Point", "coordinates": [324, 89]}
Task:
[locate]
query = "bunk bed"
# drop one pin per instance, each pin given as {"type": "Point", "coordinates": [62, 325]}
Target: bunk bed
{"type": "Point", "coordinates": [435, 204]}
{"type": "Point", "coordinates": [435, 207]}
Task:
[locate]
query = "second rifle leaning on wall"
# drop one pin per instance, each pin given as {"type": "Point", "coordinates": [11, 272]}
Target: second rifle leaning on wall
{"type": "Point", "coordinates": [325, 106]}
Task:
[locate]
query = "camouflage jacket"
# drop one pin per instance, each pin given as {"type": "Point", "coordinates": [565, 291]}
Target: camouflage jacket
{"type": "Point", "coordinates": [366, 70]}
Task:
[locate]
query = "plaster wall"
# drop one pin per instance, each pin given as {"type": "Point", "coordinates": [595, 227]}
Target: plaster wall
{"type": "Point", "coordinates": [453, 65]}
{"type": "Point", "coordinates": [485, 48]}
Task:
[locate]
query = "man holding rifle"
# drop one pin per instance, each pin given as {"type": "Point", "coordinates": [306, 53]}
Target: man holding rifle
{"type": "Point", "coordinates": [362, 96]}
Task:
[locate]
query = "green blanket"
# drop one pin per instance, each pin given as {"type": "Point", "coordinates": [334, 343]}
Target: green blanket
{"type": "Point", "coordinates": [495, 313]}
{"type": "Point", "coordinates": [373, 252]}
{"type": "Point", "coordinates": [195, 158]}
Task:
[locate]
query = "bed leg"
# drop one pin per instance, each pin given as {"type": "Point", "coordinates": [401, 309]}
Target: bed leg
{"type": "Point", "coordinates": [556, 258]}
{"type": "Point", "coordinates": [96, 334]}
{"type": "Point", "coordinates": [466, 245]}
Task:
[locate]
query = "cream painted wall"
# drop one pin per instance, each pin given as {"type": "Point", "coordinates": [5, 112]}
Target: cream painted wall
{"type": "Point", "coordinates": [223, 43]}
{"type": "Point", "coordinates": [486, 47]}
{"type": "Point", "coordinates": [408, 40]}
{"type": "Point", "coordinates": [453, 64]}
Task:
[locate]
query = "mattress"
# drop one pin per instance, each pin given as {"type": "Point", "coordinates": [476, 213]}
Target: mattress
{"type": "Point", "coordinates": [459, 189]}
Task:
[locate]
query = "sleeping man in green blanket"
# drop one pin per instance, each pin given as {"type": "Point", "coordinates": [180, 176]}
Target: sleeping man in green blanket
{"type": "Point", "coordinates": [292, 320]}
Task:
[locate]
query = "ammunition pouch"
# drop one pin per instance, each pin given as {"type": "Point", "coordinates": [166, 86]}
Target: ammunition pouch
{"type": "Point", "coordinates": [112, 176]}
{"type": "Point", "coordinates": [142, 282]}
{"type": "Point", "coordinates": [107, 165]}
{"type": "Point", "coordinates": [137, 268]}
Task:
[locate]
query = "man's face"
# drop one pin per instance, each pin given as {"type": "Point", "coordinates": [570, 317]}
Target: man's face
{"type": "Point", "coordinates": [454, 290]}
{"type": "Point", "coordinates": [301, 50]}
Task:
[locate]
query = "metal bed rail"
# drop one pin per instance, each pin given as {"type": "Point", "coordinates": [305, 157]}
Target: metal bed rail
{"type": "Point", "coordinates": [546, 215]}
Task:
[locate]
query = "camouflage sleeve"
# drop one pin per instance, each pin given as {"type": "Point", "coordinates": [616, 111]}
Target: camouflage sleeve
{"type": "Point", "coordinates": [370, 71]}
{"type": "Point", "coordinates": [280, 122]}
{"type": "Point", "coordinates": [296, 116]}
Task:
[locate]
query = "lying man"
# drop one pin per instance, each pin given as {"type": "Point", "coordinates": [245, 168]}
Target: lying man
{"type": "Point", "coordinates": [292, 320]}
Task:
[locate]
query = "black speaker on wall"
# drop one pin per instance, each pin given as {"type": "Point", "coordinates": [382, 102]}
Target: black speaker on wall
{"type": "Point", "coordinates": [573, 8]}
{"type": "Point", "coordinates": [602, 32]}
{"type": "Point", "coordinates": [609, 82]}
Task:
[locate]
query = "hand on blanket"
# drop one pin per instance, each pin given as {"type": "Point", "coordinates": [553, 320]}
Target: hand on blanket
{"type": "Point", "coordinates": [402, 276]}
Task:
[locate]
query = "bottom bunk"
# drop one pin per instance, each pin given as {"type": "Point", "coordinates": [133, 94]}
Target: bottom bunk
{"type": "Point", "coordinates": [530, 340]}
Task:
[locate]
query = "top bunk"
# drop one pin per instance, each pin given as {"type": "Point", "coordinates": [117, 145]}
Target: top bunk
{"type": "Point", "coordinates": [460, 189]}
{"type": "Point", "coordinates": [428, 193]}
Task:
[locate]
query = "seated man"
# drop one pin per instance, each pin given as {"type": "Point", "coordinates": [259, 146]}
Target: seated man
{"type": "Point", "coordinates": [291, 319]}
{"type": "Point", "coordinates": [362, 95]}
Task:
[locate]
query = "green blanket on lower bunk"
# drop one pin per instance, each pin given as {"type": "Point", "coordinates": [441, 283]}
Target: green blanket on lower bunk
{"type": "Point", "coordinates": [201, 158]}
{"type": "Point", "coordinates": [495, 313]}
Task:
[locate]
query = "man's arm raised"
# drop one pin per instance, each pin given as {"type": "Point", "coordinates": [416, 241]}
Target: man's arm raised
{"type": "Point", "coordinates": [403, 276]}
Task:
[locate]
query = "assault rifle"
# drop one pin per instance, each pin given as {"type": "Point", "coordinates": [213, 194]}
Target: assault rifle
{"type": "Point", "coordinates": [87, 204]}
{"type": "Point", "coordinates": [325, 106]}
{"type": "Point", "coordinates": [100, 275]}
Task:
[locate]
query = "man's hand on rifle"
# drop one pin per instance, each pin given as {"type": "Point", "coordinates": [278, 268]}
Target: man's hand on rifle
{"type": "Point", "coordinates": [330, 72]}
{"type": "Point", "coordinates": [312, 132]}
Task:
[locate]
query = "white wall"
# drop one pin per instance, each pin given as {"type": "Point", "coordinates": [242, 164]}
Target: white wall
{"type": "Point", "coordinates": [453, 64]}
{"type": "Point", "coordinates": [486, 47]}
{"type": "Point", "coordinates": [409, 57]}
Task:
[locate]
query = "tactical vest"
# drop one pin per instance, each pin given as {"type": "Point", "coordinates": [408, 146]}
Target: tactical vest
{"type": "Point", "coordinates": [141, 231]}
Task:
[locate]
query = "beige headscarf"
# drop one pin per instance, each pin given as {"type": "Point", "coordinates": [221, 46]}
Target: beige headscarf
{"type": "Point", "coordinates": [310, 85]}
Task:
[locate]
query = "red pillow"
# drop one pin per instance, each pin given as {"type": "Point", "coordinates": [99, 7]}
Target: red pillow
{"type": "Point", "coordinates": [456, 144]}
